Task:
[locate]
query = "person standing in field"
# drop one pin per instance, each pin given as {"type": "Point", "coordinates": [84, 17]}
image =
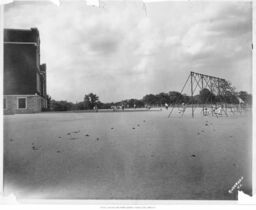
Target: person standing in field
{"type": "Point", "coordinates": [134, 106]}
{"type": "Point", "coordinates": [95, 108]}
{"type": "Point", "coordinates": [182, 109]}
{"type": "Point", "coordinates": [166, 106]}
{"type": "Point", "coordinates": [218, 111]}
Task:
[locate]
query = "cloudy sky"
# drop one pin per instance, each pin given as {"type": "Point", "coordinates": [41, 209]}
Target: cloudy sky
{"type": "Point", "coordinates": [127, 49]}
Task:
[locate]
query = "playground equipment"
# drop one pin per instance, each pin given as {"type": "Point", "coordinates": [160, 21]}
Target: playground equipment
{"type": "Point", "coordinates": [217, 86]}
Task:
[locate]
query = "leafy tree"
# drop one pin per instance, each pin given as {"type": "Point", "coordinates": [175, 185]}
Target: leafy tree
{"type": "Point", "coordinates": [61, 105]}
{"type": "Point", "coordinates": [186, 99]}
{"type": "Point", "coordinates": [104, 105]}
{"type": "Point", "coordinates": [90, 100]}
{"type": "Point", "coordinates": [150, 99]}
{"type": "Point", "coordinates": [219, 99]}
{"type": "Point", "coordinates": [195, 100]}
{"type": "Point", "coordinates": [230, 98]}
{"type": "Point", "coordinates": [247, 98]}
{"type": "Point", "coordinates": [48, 103]}
{"type": "Point", "coordinates": [163, 98]}
{"type": "Point", "coordinates": [132, 102]}
{"type": "Point", "coordinates": [175, 97]}
{"type": "Point", "coordinates": [79, 106]}
{"type": "Point", "coordinates": [206, 96]}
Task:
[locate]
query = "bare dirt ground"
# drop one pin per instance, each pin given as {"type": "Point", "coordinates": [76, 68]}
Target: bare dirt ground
{"type": "Point", "coordinates": [126, 155]}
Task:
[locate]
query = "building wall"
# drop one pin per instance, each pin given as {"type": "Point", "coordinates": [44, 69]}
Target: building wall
{"type": "Point", "coordinates": [43, 80]}
{"type": "Point", "coordinates": [20, 69]}
{"type": "Point", "coordinates": [35, 103]}
{"type": "Point", "coordinates": [20, 35]}
{"type": "Point", "coordinates": [23, 74]}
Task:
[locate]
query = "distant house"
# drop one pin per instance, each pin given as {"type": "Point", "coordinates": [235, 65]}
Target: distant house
{"type": "Point", "coordinates": [24, 76]}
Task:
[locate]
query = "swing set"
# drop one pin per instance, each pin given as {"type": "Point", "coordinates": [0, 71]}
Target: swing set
{"type": "Point", "coordinates": [217, 86]}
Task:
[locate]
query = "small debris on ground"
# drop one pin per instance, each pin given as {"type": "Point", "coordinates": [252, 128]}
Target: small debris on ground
{"type": "Point", "coordinates": [11, 140]}
{"type": "Point", "coordinates": [97, 139]}
{"type": "Point", "coordinates": [68, 133]}
{"type": "Point", "coordinates": [87, 135]}
{"type": "Point", "coordinates": [235, 165]}
{"type": "Point", "coordinates": [112, 128]}
{"type": "Point", "coordinates": [193, 155]}
{"type": "Point", "coordinates": [73, 138]}
{"type": "Point", "coordinates": [35, 148]}
{"type": "Point", "coordinates": [133, 128]}
{"type": "Point", "coordinates": [58, 151]}
{"type": "Point", "coordinates": [76, 131]}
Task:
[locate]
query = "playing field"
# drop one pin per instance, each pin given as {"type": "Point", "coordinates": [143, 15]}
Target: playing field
{"type": "Point", "coordinates": [126, 155]}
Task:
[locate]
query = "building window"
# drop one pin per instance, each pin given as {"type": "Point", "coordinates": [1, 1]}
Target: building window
{"type": "Point", "coordinates": [22, 103]}
{"type": "Point", "coordinates": [4, 103]}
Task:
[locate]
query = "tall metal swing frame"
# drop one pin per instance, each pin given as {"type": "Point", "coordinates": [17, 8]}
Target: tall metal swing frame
{"type": "Point", "coordinates": [216, 85]}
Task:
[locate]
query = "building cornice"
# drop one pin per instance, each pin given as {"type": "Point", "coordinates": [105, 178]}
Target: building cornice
{"type": "Point", "coordinates": [22, 43]}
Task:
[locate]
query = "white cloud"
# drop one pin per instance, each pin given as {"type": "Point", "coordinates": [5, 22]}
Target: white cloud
{"type": "Point", "coordinates": [119, 51]}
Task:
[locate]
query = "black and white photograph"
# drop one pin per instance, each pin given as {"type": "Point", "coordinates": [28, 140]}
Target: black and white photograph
{"type": "Point", "coordinates": [127, 100]}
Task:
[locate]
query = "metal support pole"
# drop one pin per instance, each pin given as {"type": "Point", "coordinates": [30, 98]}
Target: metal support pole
{"type": "Point", "coordinates": [192, 93]}
{"type": "Point", "coordinates": [181, 93]}
{"type": "Point", "coordinates": [218, 86]}
{"type": "Point", "coordinates": [202, 78]}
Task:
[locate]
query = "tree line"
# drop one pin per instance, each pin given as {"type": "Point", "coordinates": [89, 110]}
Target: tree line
{"type": "Point", "coordinates": [91, 101]}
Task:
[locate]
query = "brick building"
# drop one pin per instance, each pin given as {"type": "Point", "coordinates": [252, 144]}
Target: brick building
{"type": "Point", "coordinates": [24, 76]}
